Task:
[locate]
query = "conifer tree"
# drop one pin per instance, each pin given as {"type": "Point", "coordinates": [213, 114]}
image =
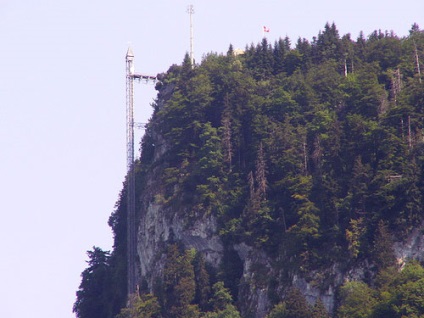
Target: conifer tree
{"type": "Point", "coordinates": [227, 134]}
{"type": "Point", "coordinates": [383, 252]}
{"type": "Point", "coordinates": [299, 150]}
{"type": "Point", "coordinates": [296, 304]}
{"type": "Point", "coordinates": [319, 311]}
{"type": "Point", "coordinates": [357, 300]}
{"type": "Point", "coordinates": [92, 295]}
{"type": "Point", "coordinates": [279, 311]}
{"type": "Point", "coordinates": [279, 51]}
{"type": "Point", "coordinates": [202, 281]}
{"type": "Point", "coordinates": [179, 283]}
{"type": "Point", "coordinates": [221, 303]}
{"type": "Point", "coordinates": [260, 174]}
{"type": "Point", "coordinates": [144, 306]}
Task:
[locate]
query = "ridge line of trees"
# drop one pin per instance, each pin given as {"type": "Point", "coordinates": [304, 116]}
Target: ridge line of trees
{"type": "Point", "coordinates": [301, 152]}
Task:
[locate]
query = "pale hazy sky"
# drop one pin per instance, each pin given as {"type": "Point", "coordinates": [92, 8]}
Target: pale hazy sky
{"type": "Point", "coordinates": [62, 114]}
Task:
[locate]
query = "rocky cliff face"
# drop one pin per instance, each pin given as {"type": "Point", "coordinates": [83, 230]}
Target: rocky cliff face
{"type": "Point", "coordinates": [160, 223]}
{"type": "Point", "coordinates": [410, 248]}
{"type": "Point", "coordinates": [262, 281]}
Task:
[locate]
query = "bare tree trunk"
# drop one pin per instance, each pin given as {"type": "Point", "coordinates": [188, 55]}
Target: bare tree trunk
{"type": "Point", "coordinates": [417, 62]}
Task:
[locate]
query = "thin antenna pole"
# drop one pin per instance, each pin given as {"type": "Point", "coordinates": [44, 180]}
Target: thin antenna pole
{"type": "Point", "coordinates": [190, 11]}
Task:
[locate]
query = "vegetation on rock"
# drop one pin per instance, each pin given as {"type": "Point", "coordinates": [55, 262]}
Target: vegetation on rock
{"type": "Point", "coordinates": [313, 153]}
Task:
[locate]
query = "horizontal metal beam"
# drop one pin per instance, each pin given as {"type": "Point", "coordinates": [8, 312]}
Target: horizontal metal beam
{"type": "Point", "coordinates": [143, 77]}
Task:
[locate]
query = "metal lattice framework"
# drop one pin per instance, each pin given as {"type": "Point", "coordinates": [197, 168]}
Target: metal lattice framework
{"type": "Point", "coordinates": [131, 239]}
{"type": "Point", "coordinates": [131, 206]}
{"type": "Point", "coordinates": [190, 11]}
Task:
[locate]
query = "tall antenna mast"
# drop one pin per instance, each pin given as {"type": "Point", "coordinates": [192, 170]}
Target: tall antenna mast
{"type": "Point", "coordinates": [131, 219]}
{"type": "Point", "coordinates": [190, 11]}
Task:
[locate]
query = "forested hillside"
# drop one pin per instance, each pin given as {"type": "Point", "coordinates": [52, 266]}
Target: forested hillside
{"type": "Point", "coordinates": [310, 154]}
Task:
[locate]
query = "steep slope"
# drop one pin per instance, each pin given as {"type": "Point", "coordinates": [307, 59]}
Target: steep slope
{"type": "Point", "coordinates": [278, 170]}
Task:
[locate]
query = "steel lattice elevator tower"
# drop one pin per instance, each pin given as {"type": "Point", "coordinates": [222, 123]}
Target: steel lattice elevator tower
{"type": "Point", "coordinates": [131, 235]}
{"type": "Point", "coordinates": [131, 206]}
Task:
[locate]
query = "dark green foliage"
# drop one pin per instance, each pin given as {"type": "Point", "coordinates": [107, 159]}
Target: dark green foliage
{"type": "Point", "coordinates": [231, 271]}
{"type": "Point", "coordinates": [209, 176]}
{"type": "Point", "coordinates": [313, 154]}
{"type": "Point", "coordinates": [179, 283]}
{"type": "Point", "coordinates": [144, 306]}
{"type": "Point", "coordinates": [396, 294]}
{"type": "Point", "coordinates": [302, 151]}
{"type": "Point", "coordinates": [407, 296]}
{"type": "Point", "coordinates": [384, 48]}
{"type": "Point", "coordinates": [201, 277]}
{"type": "Point", "coordinates": [383, 253]}
{"type": "Point", "coordinates": [328, 44]}
{"type": "Point", "coordinates": [279, 311]}
{"type": "Point", "coordinates": [295, 306]}
{"type": "Point", "coordinates": [93, 290]}
{"type": "Point", "coordinates": [319, 311]}
{"type": "Point", "coordinates": [187, 291]}
{"type": "Point", "coordinates": [221, 297]}
{"type": "Point", "coordinates": [357, 300]}
{"type": "Point", "coordinates": [330, 119]}
{"type": "Point", "coordinates": [221, 303]}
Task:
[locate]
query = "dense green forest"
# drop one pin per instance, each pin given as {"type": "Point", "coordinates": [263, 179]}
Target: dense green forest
{"type": "Point", "coordinates": [311, 151]}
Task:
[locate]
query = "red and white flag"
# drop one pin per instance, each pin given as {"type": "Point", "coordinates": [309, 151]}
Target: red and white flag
{"type": "Point", "coordinates": [266, 29]}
